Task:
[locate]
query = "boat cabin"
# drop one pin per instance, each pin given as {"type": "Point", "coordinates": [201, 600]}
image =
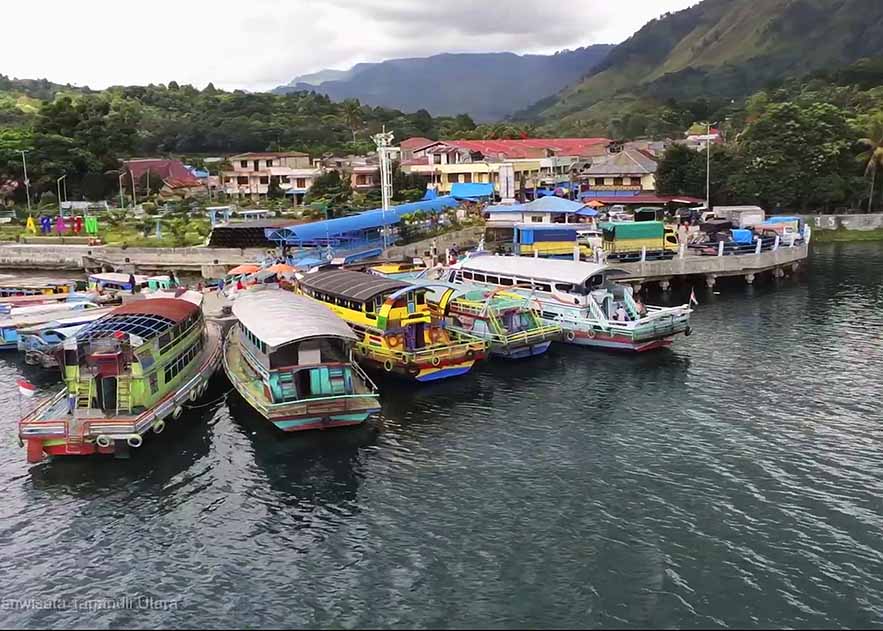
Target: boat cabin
{"type": "Point", "coordinates": [298, 347]}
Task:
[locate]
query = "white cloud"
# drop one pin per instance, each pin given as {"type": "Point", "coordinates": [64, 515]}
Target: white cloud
{"type": "Point", "coordinates": [258, 44]}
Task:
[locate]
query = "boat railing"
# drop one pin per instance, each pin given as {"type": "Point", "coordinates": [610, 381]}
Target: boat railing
{"type": "Point", "coordinates": [349, 401]}
{"type": "Point", "coordinates": [363, 376]}
{"type": "Point", "coordinates": [446, 351]}
{"type": "Point", "coordinates": [528, 336]}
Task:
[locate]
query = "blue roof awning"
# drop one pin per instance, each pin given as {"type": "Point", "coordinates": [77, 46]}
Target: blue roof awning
{"type": "Point", "coordinates": [474, 190]}
{"type": "Point", "coordinates": [352, 227]}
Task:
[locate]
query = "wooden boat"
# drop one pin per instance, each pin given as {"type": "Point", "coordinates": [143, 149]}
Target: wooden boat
{"type": "Point", "coordinates": [507, 321]}
{"type": "Point", "coordinates": [14, 318]}
{"type": "Point", "coordinates": [582, 298]}
{"type": "Point", "coordinates": [291, 359]}
{"type": "Point", "coordinates": [125, 374]}
{"type": "Point", "coordinates": [397, 328]}
{"type": "Point", "coordinates": [400, 270]}
{"type": "Point", "coordinates": [118, 283]}
{"type": "Point", "coordinates": [35, 286]}
{"type": "Point", "coordinates": [40, 343]}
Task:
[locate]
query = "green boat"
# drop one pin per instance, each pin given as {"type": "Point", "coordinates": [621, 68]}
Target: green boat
{"type": "Point", "coordinates": [126, 374]}
{"type": "Point", "coordinates": [291, 359]}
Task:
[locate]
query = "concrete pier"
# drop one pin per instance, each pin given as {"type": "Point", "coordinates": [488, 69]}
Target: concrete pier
{"type": "Point", "coordinates": [749, 266]}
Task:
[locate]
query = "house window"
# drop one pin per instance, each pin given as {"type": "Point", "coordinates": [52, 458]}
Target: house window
{"type": "Point", "coordinates": [627, 181]}
{"type": "Point", "coordinates": [301, 182]}
{"type": "Point", "coordinates": [536, 219]}
{"type": "Point", "coordinates": [453, 178]}
{"type": "Point", "coordinates": [243, 164]}
{"type": "Point", "coordinates": [599, 181]}
{"type": "Point", "coordinates": [361, 180]}
{"type": "Point", "coordinates": [286, 179]}
{"type": "Point", "coordinates": [617, 181]}
{"type": "Point", "coordinates": [269, 163]}
{"type": "Point", "coordinates": [265, 180]}
{"type": "Point", "coordinates": [467, 178]}
{"type": "Point", "coordinates": [242, 180]}
{"type": "Point", "coordinates": [256, 165]}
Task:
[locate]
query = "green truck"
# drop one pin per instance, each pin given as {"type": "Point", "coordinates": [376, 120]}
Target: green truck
{"type": "Point", "coordinates": [626, 241]}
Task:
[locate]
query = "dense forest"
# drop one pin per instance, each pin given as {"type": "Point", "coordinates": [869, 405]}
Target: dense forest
{"type": "Point", "coordinates": [804, 144]}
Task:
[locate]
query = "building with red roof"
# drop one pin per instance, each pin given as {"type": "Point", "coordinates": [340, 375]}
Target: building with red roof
{"type": "Point", "coordinates": [538, 163]}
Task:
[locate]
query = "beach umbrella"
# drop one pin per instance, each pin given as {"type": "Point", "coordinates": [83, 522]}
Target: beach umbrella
{"type": "Point", "coordinates": [243, 269]}
{"type": "Point", "coordinates": [280, 268]}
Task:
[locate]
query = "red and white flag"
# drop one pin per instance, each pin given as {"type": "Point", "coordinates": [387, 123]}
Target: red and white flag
{"type": "Point", "coordinates": [26, 388]}
{"type": "Point", "coordinates": [693, 300]}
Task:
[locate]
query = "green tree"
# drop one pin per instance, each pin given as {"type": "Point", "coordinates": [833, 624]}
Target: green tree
{"type": "Point", "coordinates": [352, 115]}
{"type": "Point", "coordinates": [873, 154]}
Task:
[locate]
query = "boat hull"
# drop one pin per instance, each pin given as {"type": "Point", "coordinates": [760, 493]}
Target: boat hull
{"type": "Point", "coordinates": [50, 430]}
{"type": "Point", "coordinates": [521, 352]}
{"type": "Point", "coordinates": [618, 342]}
{"type": "Point", "coordinates": [425, 372]}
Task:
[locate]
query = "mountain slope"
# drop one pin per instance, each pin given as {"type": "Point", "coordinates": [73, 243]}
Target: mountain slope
{"type": "Point", "coordinates": [488, 86]}
{"type": "Point", "coordinates": [722, 48]}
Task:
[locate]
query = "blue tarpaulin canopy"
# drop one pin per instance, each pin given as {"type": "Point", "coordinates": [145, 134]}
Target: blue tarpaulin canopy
{"type": "Point", "coordinates": [474, 190]}
{"type": "Point", "coordinates": [743, 236]}
{"type": "Point", "coordinates": [355, 229]}
{"type": "Point", "coordinates": [587, 212]}
{"type": "Point", "coordinates": [553, 205]}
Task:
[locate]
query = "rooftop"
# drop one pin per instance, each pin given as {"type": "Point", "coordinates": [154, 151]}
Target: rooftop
{"type": "Point", "coordinates": [281, 317]}
{"type": "Point", "coordinates": [527, 147]}
{"type": "Point", "coordinates": [530, 268]}
{"type": "Point", "coordinates": [259, 155]}
{"type": "Point", "coordinates": [627, 162]}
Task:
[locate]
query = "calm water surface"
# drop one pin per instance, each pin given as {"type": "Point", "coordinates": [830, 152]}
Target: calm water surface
{"type": "Point", "coordinates": [733, 481]}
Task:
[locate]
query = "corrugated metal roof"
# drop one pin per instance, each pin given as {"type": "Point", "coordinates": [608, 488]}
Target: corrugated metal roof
{"type": "Point", "coordinates": [628, 162]}
{"type": "Point", "coordinates": [278, 317]}
{"type": "Point", "coordinates": [172, 308]}
{"type": "Point", "coordinates": [573, 272]}
{"type": "Point", "coordinates": [472, 190]}
{"type": "Point", "coordinates": [353, 285]}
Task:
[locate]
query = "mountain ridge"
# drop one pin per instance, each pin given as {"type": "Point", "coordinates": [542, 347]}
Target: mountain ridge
{"type": "Point", "coordinates": [487, 86]}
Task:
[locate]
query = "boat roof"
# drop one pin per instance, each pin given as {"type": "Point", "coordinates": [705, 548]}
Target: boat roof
{"type": "Point", "coordinates": [279, 317]}
{"type": "Point", "coordinates": [353, 285]}
{"type": "Point", "coordinates": [144, 318]}
{"type": "Point", "coordinates": [118, 277]}
{"type": "Point", "coordinates": [573, 272]}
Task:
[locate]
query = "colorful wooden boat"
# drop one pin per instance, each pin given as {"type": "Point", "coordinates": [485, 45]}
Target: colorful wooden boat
{"type": "Point", "coordinates": [14, 318]}
{"type": "Point", "coordinates": [291, 359]}
{"type": "Point", "coordinates": [507, 321]}
{"type": "Point", "coordinates": [35, 286]}
{"type": "Point", "coordinates": [582, 298]}
{"type": "Point", "coordinates": [125, 374]}
{"type": "Point", "coordinates": [397, 328]}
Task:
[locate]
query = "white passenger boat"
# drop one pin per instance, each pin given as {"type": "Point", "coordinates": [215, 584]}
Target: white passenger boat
{"type": "Point", "coordinates": [582, 298]}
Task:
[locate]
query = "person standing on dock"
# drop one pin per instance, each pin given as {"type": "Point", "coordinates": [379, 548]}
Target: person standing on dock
{"type": "Point", "coordinates": [132, 283]}
{"type": "Point", "coordinates": [683, 234]}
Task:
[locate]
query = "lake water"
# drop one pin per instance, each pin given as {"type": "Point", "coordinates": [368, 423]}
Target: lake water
{"type": "Point", "coordinates": [736, 480]}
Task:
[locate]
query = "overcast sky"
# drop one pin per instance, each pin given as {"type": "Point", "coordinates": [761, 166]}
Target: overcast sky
{"type": "Point", "coordinates": [259, 44]}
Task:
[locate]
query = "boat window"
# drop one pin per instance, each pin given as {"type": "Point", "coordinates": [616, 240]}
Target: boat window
{"type": "Point", "coordinates": [174, 367]}
{"type": "Point", "coordinates": [479, 277]}
{"type": "Point", "coordinates": [548, 315]}
{"type": "Point", "coordinates": [467, 275]}
{"type": "Point", "coordinates": [543, 287]}
{"type": "Point", "coordinates": [564, 287]}
{"type": "Point", "coordinates": [421, 298]}
{"type": "Point", "coordinates": [595, 282]}
{"type": "Point", "coordinates": [493, 280]}
{"type": "Point", "coordinates": [506, 281]}
{"type": "Point", "coordinates": [154, 383]}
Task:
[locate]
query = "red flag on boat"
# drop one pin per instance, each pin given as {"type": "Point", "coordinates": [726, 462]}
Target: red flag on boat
{"type": "Point", "coordinates": [693, 300]}
{"type": "Point", "coordinates": [26, 388]}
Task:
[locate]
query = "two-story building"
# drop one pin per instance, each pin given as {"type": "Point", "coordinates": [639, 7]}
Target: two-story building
{"type": "Point", "coordinates": [254, 172]}
{"type": "Point", "coordinates": [536, 162]}
{"type": "Point", "coordinates": [627, 173]}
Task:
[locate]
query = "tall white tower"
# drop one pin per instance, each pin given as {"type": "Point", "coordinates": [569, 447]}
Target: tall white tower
{"type": "Point", "coordinates": [385, 150]}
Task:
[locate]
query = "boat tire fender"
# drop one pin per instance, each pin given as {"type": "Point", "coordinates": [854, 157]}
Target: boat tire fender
{"type": "Point", "coordinates": [688, 331]}
{"type": "Point", "coordinates": [159, 426]}
{"type": "Point", "coordinates": [177, 413]}
{"type": "Point", "coordinates": [413, 370]}
{"type": "Point", "coordinates": [470, 354]}
{"type": "Point", "coordinates": [134, 441]}
{"type": "Point", "coordinates": [103, 441]}
{"type": "Point", "coordinates": [194, 395]}
{"type": "Point", "coordinates": [388, 365]}
{"type": "Point", "coordinates": [436, 361]}
{"type": "Point", "coordinates": [570, 335]}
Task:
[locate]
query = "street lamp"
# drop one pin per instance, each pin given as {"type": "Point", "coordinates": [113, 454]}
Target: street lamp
{"type": "Point", "coordinates": [58, 185]}
{"type": "Point", "coordinates": [24, 166]}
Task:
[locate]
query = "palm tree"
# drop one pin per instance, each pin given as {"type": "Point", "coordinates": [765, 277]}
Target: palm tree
{"type": "Point", "coordinates": [352, 114]}
{"type": "Point", "coordinates": [873, 155]}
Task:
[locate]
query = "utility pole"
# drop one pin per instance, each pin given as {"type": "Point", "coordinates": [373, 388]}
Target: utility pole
{"type": "Point", "coordinates": [122, 202]}
{"type": "Point", "coordinates": [134, 193]}
{"type": "Point", "coordinates": [383, 141]}
{"type": "Point", "coordinates": [58, 186]}
{"type": "Point", "coordinates": [24, 166]}
{"type": "Point", "coordinates": [708, 168]}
